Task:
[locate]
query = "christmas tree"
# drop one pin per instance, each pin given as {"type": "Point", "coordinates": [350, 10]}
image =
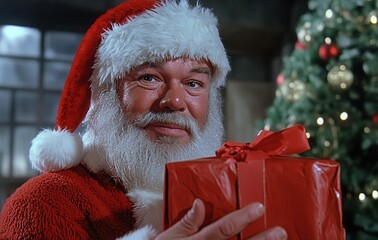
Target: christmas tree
{"type": "Point", "coordinates": [329, 84]}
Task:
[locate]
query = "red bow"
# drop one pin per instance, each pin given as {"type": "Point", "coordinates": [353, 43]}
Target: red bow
{"type": "Point", "coordinates": [285, 142]}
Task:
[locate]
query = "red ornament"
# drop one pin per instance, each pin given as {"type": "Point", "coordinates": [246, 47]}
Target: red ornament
{"type": "Point", "coordinates": [375, 118]}
{"type": "Point", "coordinates": [280, 79]}
{"type": "Point", "coordinates": [328, 51]}
{"type": "Point", "coordinates": [300, 45]}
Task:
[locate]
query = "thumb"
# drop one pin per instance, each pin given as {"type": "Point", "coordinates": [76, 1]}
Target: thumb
{"type": "Point", "coordinates": [193, 219]}
{"type": "Point", "coordinates": [189, 224]}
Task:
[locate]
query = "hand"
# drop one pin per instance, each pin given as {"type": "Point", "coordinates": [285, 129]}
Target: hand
{"type": "Point", "coordinates": [224, 228]}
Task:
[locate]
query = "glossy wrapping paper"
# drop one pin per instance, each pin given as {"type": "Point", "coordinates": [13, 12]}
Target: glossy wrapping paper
{"type": "Point", "coordinates": [302, 195]}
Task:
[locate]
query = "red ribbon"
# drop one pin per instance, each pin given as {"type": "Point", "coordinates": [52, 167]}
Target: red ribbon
{"type": "Point", "coordinates": [285, 142]}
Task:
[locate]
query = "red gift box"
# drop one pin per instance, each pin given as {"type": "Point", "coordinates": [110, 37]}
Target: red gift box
{"type": "Point", "coordinates": [302, 195]}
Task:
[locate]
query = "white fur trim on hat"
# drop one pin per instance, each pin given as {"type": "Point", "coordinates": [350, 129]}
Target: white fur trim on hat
{"type": "Point", "coordinates": [170, 30]}
{"type": "Point", "coordinates": [55, 150]}
{"type": "Point", "coordinates": [133, 33]}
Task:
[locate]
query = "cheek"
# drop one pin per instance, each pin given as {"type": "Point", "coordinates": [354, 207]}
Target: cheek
{"type": "Point", "coordinates": [135, 102]}
{"type": "Point", "coordinates": [199, 109]}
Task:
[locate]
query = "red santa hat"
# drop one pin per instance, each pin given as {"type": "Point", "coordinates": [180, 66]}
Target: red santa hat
{"type": "Point", "coordinates": [132, 33]}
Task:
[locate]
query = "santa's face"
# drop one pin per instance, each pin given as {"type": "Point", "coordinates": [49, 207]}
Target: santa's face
{"type": "Point", "coordinates": [159, 113]}
{"type": "Point", "coordinates": [176, 85]}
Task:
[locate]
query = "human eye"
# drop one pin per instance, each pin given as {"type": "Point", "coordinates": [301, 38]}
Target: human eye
{"type": "Point", "coordinates": [194, 84]}
{"type": "Point", "coordinates": [149, 81]}
{"type": "Point", "coordinates": [147, 78]}
{"type": "Point", "coordinates": [197, 87]}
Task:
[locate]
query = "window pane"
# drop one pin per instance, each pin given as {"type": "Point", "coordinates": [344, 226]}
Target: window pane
{"type": "Point", "coordinates": [61, 45]}
{"type": "Point", "coordinates": [20, 41]}
{"type": "Point", "coordinates": [50, 107]}
{"type": "Point", "coordinates": [18, 73]}
{"type": "Point", "coordinates": [21, 164]}
{"type": "Point", "coordinates": [55, 75]}
{"type": "Point", "coordinates": [5, 102]}
{"type": "Point", "coordinates": [26, 106]}
{"type": "Point", "coordinates": [4, 151]}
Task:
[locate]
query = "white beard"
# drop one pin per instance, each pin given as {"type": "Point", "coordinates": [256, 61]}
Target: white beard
{"type": "Point", "coordinates": [122, 149]}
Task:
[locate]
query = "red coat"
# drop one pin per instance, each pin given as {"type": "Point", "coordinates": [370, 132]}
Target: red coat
{"type": "Point", "coordinates": [70, 204]}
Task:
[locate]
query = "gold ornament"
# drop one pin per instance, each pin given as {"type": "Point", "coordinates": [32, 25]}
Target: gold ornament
{"type": "Point", "coordinates": [292, 90]}
{"type": "Point", "coordinates": [340, 77]}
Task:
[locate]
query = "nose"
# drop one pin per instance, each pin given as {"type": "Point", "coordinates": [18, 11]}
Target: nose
{"type": "Point", "coordinates": [173, 98]}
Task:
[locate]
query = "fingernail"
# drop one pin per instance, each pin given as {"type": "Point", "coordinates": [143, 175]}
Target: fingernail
{"type": "Point", "coordinates": [260, 209]}
{"type": "Point", "coordinates": [278, 234]}
{"type": "Point", "coordinates": [193, 209]}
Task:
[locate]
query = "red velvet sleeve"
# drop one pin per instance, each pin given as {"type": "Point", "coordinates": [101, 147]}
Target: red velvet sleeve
{"type": "Point", "coordinates": [71, 204]}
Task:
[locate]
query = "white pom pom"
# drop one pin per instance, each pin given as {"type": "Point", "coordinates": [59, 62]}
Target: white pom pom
{"type": "Point", "coordinates": [55, 150]}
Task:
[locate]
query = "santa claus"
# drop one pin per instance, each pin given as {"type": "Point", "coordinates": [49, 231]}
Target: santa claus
{"type": "Point", "coordinates": [145, 82]}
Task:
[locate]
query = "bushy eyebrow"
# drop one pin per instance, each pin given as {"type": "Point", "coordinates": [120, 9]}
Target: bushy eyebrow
{"type": "Point", "coordinates": [149, 64]}
{"type": "Point", "coordinates": [160, 64]}
{"type": "Point", "coordinates": [204, 70]}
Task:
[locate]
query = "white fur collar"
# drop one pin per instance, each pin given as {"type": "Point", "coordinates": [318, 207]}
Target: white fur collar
{"type": "Point", "coordinates": [148, 208]}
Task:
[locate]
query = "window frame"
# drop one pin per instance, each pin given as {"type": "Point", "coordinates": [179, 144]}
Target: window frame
{"type": "Point", "coordinates": [9, 182]}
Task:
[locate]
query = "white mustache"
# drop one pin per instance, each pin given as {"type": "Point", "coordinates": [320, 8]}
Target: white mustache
{"type": "Point", "coordinates": [171, 118]}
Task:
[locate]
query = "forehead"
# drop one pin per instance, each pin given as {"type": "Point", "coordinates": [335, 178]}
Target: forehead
{"type": "Point", "coordinates": [201, 65]}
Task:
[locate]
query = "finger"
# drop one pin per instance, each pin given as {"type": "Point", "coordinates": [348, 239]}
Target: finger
{"type": "Point", "coordinates": [232, 223]}
{"type": "Point", "coordinates": [189, 224]}
{"type": "Point", "coordinates": [193, 220]}
{"type": "Point", "coordinates": [276, 233]}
